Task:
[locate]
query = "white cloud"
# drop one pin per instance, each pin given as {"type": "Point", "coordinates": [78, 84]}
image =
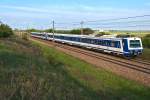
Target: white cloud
{"type": "Point", "coordinates": [28, 9]}
{"type": "Point", "coordinates": [82, 9]}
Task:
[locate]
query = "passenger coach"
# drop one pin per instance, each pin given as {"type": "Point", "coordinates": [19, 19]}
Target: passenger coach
{"type": "Point", "coordinates": [128, 47]}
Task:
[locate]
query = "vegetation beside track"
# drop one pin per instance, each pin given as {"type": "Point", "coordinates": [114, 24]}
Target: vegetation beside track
{"type": "Point", "coordinates": [34, 71]}
{"type": "Point", "coordinates": [5, 31]}
{"type": "Point", "coordinates": [146, 54]}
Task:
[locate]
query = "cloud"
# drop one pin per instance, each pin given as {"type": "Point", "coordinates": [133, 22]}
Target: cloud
{"type": "Point", "coordinates": [71, 10]}
{"type": "Point", "coordinates": [21, 8]}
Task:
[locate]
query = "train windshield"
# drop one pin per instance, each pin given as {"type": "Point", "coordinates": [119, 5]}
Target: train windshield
{"type": "Point", "coordinates": [135, 43]}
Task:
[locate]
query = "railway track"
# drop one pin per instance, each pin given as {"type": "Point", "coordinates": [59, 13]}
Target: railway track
{"type": "Point", "coordinates": [141, 66]}
{"type": "Point", "coordinates": [115, 61]}
{"type": "Point", "coordinates": [145, 62]}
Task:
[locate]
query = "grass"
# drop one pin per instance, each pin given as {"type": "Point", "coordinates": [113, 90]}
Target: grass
{"type": "Point", "coordinates": [146, 54]}
{"type": "Point", "coordinates": [106, 84]}
{"type": "Point", "coordinates": [33, 71]}
{"type": "Point", "coordinates": [136, 33]}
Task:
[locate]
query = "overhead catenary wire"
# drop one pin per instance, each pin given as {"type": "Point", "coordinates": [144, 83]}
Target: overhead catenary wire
{"type": "Point", "coordinates": [125, 22]}
{"type": "Point", "coordinates": [122, 18]}
{"type": "Point", "coordinates": [122, 26]}
{"type": "Point", "coordinates": [129, 22]}
{"type": "Point", "coordinates": [91, 21]}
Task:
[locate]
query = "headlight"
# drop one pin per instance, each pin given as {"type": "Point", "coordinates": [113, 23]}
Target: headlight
{"type": "Point", "coordinates": [131, 51]}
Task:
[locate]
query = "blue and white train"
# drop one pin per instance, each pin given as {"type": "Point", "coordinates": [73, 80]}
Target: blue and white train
{"type": "Point", "coordinates": [127, 47]}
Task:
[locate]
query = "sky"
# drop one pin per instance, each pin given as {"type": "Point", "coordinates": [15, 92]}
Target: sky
{"type": "Point", "coordinates": [40, 13]}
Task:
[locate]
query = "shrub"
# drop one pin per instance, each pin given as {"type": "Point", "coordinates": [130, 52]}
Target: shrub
{"type": "Point", "coordinates": [146, 41]}
{"type": "Point", "coordinates": [5, 31]}
{"type": "Point", "coordinates": [63, 31]}
{"type": "Point", "coordinates": [75, 31]}
{"type": "Point", "coordinates": [86, 31]}
{"type": "Point", "coordinates": [147, 36]}
{"type": "Point", "coordinates": [25, 36]}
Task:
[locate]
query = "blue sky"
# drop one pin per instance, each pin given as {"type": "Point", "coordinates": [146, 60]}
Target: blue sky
{"type": "Point", "coordinates": [40, 13]}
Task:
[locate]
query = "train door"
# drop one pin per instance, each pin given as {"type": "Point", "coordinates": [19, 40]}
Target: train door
{"type": "Point", "coordinates": [125, 45]}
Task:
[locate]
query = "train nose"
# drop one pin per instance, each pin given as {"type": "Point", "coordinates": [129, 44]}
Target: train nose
{"type": "Point", "coordinates": [135, 52]}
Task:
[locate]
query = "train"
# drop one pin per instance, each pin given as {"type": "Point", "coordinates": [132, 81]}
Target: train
{"type": "Point", "coordinates": [126, 47]}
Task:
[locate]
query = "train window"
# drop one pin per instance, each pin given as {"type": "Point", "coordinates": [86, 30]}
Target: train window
{"type": "Point", "coordinates": [118, 44]}
{"type": "Point", "coordinates": [109, 43]}
{"type": "Point", "coordinates": [51, 36]}
{"type": "Point", "coordinates": [70, 38]}
{"type": "Point", "coordinates": [73, 38]}
{"type": "Point", "coordinates": [92, 41]}
{"type": "Point", "coordinates": [61, 37]}
{"type": "Point", "coordinates": [78, 39]}
{"type": "Point", "coordinates": [135, 43]}
{"type": "Point", "coordinates": [105, 43]}
{"type": "Point", "coordinates": [84, 40]}
{"type": "Point", "coordinates": [88, 41]}
{"type": "Point", "coordinates": [96, 42]}
{"type": "Point", "coordinates": [123, 43]}
{"type": "Point", "coordinates": [113, 44]}
{"type": "Point", "coordinates": [100, 42]}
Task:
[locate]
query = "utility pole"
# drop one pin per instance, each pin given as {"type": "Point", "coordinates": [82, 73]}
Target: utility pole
{"type": "Point", "coordinates": [53, 30]}
{"type": "Point", "coordinates": [82, 27]}
{"type": "Point", "coordinates": [1, 22]}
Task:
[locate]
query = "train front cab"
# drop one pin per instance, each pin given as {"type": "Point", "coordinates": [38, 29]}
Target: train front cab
{"type": "Point", "coordinates": [132, 47]}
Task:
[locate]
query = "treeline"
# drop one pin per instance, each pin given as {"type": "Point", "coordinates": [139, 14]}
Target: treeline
{"type": "Point", "coordinates": [86, 31]}
{"type": "Point", "coordinates": [5, 31]}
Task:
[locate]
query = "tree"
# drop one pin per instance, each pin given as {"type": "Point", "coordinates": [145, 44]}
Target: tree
{"type": "Point", "coordinates": [5, 30]}
{"type": "Point", "coordinates": [146, 41]}
{"type": "Point", "coordinates": [87, 31]}
{"type": "Point", "coordinates": [33, 30]}
{"type": "Point", "coordinates": [48, 30]}
{"type": "Point", "coordinates": [75, 31]}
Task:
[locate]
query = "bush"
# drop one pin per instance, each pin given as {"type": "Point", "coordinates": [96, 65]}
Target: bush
{"type": "Point", "coordinates": [63, 31]}
{"type": "Point", "coordinates": [146, 41]}
{"type": "Point", "coordinates": [33, 30]}
{"type": "Point", "coordinates": [125, 35]}
{"type": "Point", "coordinates": [101, 34]}
{"type": "Point", "coordinates": [25, 36]}
{"type": "Point", "coordinates": [5, 31]}
{"type": "Point", "coordinates": [147, 36]}
{"type": "Point", "coordinates": [75, 31]}
{"type": "Point", "coordinates": [48, 30]}
{"type": "Point", "coordinates": [86, 31]}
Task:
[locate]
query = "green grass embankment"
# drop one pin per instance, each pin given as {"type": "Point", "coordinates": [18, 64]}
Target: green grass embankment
{"type": "Point", "coordinates": [106, 84]}
{"type": "Point", "coordinates": [34, 71]}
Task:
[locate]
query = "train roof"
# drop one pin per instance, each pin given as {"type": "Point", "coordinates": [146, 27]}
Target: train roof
{"type": "Point", "coordinates": [89, 36]}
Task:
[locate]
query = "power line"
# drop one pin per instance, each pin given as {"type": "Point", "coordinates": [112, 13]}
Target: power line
{"type": "Point", "coordinates": [129, 22]}
{"type": "Point", "coordinates": [123, 26]}
{"type": "Point", "coordinates": [119, 18]}
{"type": "Point", "coordinates": [122, 18]}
